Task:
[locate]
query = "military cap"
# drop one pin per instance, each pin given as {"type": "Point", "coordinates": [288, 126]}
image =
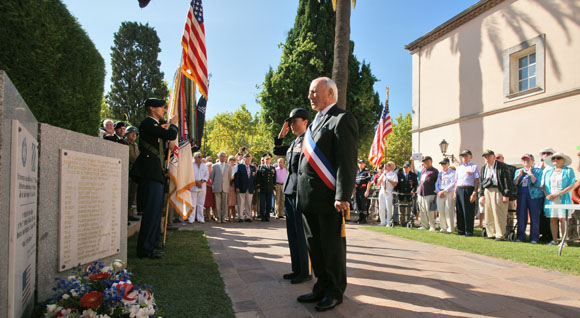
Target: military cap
{"type": "Point", "coordinates": [406, 164]}
{"type": "Point", "coordinates": [247, 154]}
{"type": "Point", "coordinates": [267, 156]}
{"type": "Point", "coordinates": [154, 102]}
{"type": "Point", "coordinates": [361, 161]}
{"type": "Point", "coordinates": [119, 124]}
{"type": "Point", "coordinates": [298, 113]}
{"type": "Point", "coordinates": [131, 129]}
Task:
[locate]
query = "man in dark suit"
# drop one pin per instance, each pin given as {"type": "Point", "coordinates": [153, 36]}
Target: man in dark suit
{"type": "Point", "coordinates": [406, 188]}
{"type": "Point", "coordinates": [149, 172]}
{"type": "Point", "coordinates": [298, 122]}
{"type": "Point", "coordinates": [326, 177]}
{"type": "Point", "coordinates": [245, 182]}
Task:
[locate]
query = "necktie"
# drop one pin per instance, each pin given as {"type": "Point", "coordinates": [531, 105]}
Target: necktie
{"type": "Point", "coordinates": [248, 170]}
{"type": "Point", "coordinates": [317, 119]}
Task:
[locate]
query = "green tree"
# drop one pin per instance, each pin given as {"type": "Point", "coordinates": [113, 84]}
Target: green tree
{"type": "Point", "coordinates": [135, 71]}
{"type": "Point", "coordinates": [309, 53]}
{"type": "Point", "coordinates": [229, 131]}
{"type": "Point", "coordinates": [399, 142]}
{"type": "Point", "coordinates": [53, 63]}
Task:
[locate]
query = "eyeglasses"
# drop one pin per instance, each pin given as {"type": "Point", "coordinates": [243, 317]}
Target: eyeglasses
{"type": "Point", "coordinates": [546, 153]}
{"type": "Point", "coordinates": [556, 158]}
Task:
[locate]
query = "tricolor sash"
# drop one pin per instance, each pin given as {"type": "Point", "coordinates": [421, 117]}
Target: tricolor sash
{"type": "Point", "coordinates": [318, 161]}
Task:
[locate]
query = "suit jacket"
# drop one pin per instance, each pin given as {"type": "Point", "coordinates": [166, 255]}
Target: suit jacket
{"type": "Point", "coordinates": [242, 181]}
{"type": "Point", "coordinates": [336, 137]}
{"type": "Point", "coordinates": [406, 186]}
{"type": "Point", "coordinates": [292, 152]}
{"type": "Point", "coordinates": [220, 182]}
{"type": "Point", "coordinates": [148, 166]}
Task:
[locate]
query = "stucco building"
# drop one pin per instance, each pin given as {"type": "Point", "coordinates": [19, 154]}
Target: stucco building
{"type": "Point", "coordinates": [503, 75]}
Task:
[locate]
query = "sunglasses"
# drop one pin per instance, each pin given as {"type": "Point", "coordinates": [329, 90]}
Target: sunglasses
{"type": "Point", "coordinates": [557, 158]}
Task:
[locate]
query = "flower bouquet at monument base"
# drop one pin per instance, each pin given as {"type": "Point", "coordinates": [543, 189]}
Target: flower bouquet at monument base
{"type": "Point", "coordinates": [99, 292]}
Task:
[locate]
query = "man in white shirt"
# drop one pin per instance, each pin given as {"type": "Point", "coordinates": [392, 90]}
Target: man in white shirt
{"type": "Point", "coordinates": [444, 188]}
{"type": "Point", "coordinates": [198, 190]}
{"type": "Point", "coordinates": [388, 180]}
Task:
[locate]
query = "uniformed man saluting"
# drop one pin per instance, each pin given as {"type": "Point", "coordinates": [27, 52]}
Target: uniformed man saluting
{"type": "Point", "coordinates": [265, 181]}
{"type": "Point", "coordinates": [149, 171]}
{"type": "Point", "coordinates": [298, 122]}
{"type": "Point", "coordinates": [363, 177]}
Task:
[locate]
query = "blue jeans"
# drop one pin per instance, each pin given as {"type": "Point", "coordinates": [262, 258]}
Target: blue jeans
{"type": "Point", "coordinates": [525, 204]}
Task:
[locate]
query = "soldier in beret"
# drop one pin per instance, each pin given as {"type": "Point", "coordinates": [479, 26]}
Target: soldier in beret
{"type": "Point", "coordinates": [149, 171]}
{"type": "Point", "coordinates": [119, 135]}
{"type": "Point", "coordinates": [265, 181]}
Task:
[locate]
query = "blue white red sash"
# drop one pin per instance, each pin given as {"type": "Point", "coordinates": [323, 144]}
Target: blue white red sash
{"type": "Point", "coordinates": [318, 161]}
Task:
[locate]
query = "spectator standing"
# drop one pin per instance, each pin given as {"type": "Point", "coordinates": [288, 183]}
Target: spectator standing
{"type": "Point", "coordinates": [545, 231]}
{"type": "Point", "coordinates": [407, 190]}
{"type": "Point", "coordinates": [426, 193]}
{"type": "Point", "coordinates": [444, 187]}
{"type": "Point", "coordinates": [496, 190]}
{"type": "Point", "coordinates": [281, 173]}
{"type": "Point", "coordinates": [528, 181]}
{"type": "Point", "coordinates": [209, 204]}
{"type": "Point", "coordinates": [232, 196]}
{"type": "Point", "coordinates": [465, 194]}
{"type": "Point", "coordinates": [198, 191]}
{"type": "Point", "coordinates": [119, 135]}
{"type": "Point", "coordinates": [388, 181]}
{"type": "Point", "coordinates": [220, 176]}
{"type": "Point", "coordinates": [265, 181]}
{"type": "Point", "coordinates": [244, 181]}
{"type": "Point", "coordinates": [363, 177]}
{"type": "Point", "coordinates": [131, 134]}
{"type": "Point", "coordinates": [108, 128]}
{"type": "Point", "coordinates": [558, 182]}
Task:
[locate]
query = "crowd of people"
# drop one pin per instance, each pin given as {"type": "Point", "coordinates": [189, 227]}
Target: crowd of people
{"type": "Point", "coordinates": [458, 195]}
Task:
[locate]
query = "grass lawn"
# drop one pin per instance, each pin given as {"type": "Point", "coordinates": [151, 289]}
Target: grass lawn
{"type": "Point", "coordinates": [186, 281]}
{"type": "Point", "coordinates": [538, 255]}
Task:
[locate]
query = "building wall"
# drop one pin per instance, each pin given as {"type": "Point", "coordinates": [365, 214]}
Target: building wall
{"type": "Point", "coordinates": [458, 84]}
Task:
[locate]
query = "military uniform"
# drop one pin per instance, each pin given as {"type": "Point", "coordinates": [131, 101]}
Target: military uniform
{"type": "Point", "coordinates": [149, 173]}
{"type": "Point", "coordinates": [116, 138]}
{"type": "Point", "coordinates": [294, 222]}
{"type": "Point", "coordinates": [265, 181]}
{"type": "Point", "coordinates": [363, 177]}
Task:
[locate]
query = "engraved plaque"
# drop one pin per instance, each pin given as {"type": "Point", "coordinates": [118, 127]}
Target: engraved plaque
{"type": "Point", "coordinates": [90, 208]}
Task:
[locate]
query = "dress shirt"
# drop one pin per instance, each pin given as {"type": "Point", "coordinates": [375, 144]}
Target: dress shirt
{"type": "Point", "coordinates": [281, 174]}
{"type": "Point", "coordinates": [445, 181]}
{"type": "Point", "coordinates": [491, 173]}
{"type": "Point", "coordinates": [466, 174]}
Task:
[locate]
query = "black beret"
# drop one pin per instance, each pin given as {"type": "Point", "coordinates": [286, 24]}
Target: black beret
{"type": "Point", "coordinates": [119, 124]}
{"type": "Point", "coordinates": [154, 102]}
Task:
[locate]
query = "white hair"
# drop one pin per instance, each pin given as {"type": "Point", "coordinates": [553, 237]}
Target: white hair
{"type": "Point", "coordinates": [222, 152]}
{"type": "Point", "coordinates": [106, 121]}
{"type": "Point", "coordinates": [331, 84]}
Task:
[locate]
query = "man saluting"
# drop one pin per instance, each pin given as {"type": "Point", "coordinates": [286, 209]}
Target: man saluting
{"type": "Point", "coordinates": [149, 172]}
{"type": "Point", "coordinates": [326, 177]}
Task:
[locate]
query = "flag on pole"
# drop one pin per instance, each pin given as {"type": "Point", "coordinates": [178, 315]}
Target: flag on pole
{"type": "Point", "coordinates": [193, 43]}
{"type": "Point", "coordinates": [383, 129]}
{"type": "Point", "coordinates": [181, 178]}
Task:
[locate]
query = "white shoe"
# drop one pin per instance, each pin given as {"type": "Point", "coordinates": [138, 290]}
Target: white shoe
{"type": "Point", "coordinates": [382, 224]}
{"type": "Point", "coordinates": [421, 228]}
{"type": "Point", "coordinates": [442, 231]}
{"type": "Point", "coordinates": [201, 222]}
{"type": "Point", "coordinates": [432, 229]}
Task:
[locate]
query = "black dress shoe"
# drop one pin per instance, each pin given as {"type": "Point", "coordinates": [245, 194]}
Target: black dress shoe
{"type": "Point", "coordinates": [300, 279]}
{"type": "Point", "coordinates": [290, 275]}
{"type": "Point", "coordinates": [310, 298]}
{"type": "Point", "coordinates": [327, 303]}
{"type": "Point", "coordinates": [133, 218]}
{"type": "Point", "coordinates": [159, 252]}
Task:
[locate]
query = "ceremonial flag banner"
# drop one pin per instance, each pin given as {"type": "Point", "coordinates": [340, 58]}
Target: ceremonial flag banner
{"type": "Point", "coordinates": [193, 43]}
{"type": "Point", "coordinates": [383, 129]}
{"type": "Point", "coordinates": [181, 177]}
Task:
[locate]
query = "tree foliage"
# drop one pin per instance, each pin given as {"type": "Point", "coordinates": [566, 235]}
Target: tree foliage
{"type": "Point", "coordinates": [399, 142]}
{"type": "Point", "coordinates": [53, 63]}
{"type": "Point", "coordinates": [308, 53]}
{"type": "Point", "coordinates": [136, 75]}
{"type": "Point", "coordinates": [229, 131]}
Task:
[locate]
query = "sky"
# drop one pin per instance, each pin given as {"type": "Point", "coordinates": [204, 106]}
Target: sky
{"type": "Point", "coordinates": [243, 37]}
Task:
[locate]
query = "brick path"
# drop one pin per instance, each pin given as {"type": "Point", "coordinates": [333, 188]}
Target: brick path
{"type": "Point", "coordinates": [387, 277]}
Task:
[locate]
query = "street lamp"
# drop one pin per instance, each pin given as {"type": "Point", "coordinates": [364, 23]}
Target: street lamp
{"type": "Point", "coordinates": [443, 146]}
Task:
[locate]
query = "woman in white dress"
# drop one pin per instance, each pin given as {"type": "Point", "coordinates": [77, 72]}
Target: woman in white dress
{"type": "Point", "coordinates": [558, 181]}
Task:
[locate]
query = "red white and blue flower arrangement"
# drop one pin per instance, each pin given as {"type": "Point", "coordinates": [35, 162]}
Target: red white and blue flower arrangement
{"type": "Point", "coordinates": [100, 292]}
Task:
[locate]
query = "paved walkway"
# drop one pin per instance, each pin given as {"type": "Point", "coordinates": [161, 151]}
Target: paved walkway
{"type": "Point", "coordinates": [387, 277]}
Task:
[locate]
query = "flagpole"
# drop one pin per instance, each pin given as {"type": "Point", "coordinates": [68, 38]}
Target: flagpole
{"type": "Point", "coordinates": [385, 148]}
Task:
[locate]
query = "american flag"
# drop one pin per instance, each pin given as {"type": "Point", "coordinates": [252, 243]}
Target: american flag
{"type": "Point", "coordinates": [193, 43]}
{"type": "Point", "coordinates": [383, 129]}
